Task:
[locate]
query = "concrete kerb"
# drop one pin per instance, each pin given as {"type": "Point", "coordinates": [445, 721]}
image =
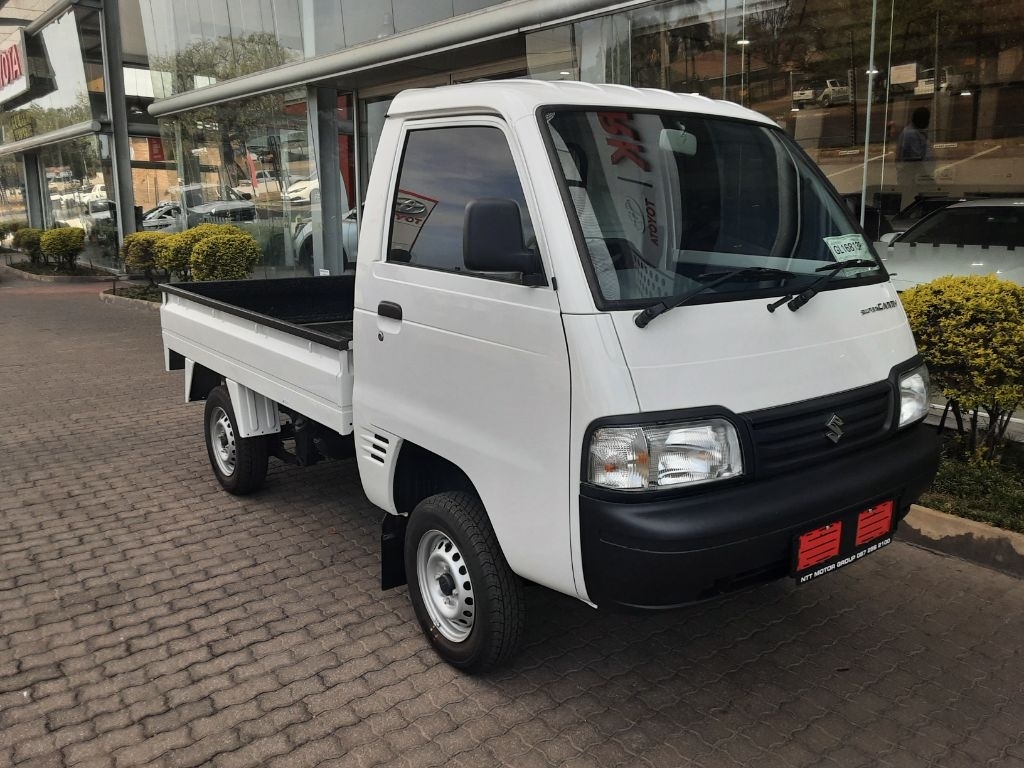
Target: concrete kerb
{"type": "Point", "coordinates": [124, 301]}
{"type": "Point", "coordinates": [970, 540]}
{"type": "Point", "coordinates": [7, 270]}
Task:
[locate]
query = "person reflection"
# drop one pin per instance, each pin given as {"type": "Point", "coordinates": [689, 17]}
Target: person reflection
{"type": "Point", "coordinates": [913, 155]}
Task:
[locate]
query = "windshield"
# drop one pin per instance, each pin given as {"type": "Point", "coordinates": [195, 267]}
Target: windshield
{"type": "Point", "coordinates": [663, 199]}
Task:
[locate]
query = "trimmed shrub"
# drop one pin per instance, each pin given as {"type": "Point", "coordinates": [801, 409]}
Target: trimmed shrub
{"type": "Point", "coordinates": [63, 245]}
{"type": "Point", "coordinates": [174, 253]}
{"type": "Point", "coordinates": [140, 252]}
{"type": "Point", "coordinates": [970, 331]}
{"type": "Point", "coordinates": [229, 256]}
{"type": "Point", "coordinates": [26, 239]}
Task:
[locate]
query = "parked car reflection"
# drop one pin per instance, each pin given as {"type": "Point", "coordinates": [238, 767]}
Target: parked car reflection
{"type": "Point", "coordinates": [975, 237]}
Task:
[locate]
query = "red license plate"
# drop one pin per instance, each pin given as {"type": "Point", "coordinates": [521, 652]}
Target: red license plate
{"type": "Point", "coordinates": [830, 547]}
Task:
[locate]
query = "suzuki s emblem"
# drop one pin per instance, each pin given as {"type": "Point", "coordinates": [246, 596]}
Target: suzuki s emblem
{"type": "Point", "coordinates": [834, 428]}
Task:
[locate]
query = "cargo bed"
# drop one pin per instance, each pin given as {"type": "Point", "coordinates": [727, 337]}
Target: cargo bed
{"type": "Point", "coordinates": [288, 340]}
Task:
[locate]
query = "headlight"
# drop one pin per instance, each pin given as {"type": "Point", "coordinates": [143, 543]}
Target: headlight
{"type": "Point", "coordinates": [656, 456]}
{"type": "Point", "coordinates": [913, 396]}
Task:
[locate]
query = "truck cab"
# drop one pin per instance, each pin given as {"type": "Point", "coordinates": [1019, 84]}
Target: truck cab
{"type": "Point", "coordinates": [621, 343]}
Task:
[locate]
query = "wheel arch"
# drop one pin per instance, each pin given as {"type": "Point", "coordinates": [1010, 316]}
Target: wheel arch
{"type": "Point", "coordinates": [199, 381]}
{"type": "Point", "coordinates": [419, 474]}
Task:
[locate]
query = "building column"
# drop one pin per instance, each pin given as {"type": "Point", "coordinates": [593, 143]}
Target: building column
{"type": "Point", "coordinates": [321, 106]}
{"type": "Point", "coordinates": [35, 190]}
{"type": "Point", "coordinates": [120, 151]}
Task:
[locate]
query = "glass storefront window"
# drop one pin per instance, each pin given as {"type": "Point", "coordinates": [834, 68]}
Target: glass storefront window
{"type": "Point", "coordinates": [65, 89]}
{"type": "Point", "coordinates": [78, 193]}
{"type": "Point", "coordinates": [12, 191]}
{"type": "Point", "coordinates": [941, 105]}
{"type": "Point", "coordinates": [192, 43]}
{"type": "Point", "coordinates": [252, 164]}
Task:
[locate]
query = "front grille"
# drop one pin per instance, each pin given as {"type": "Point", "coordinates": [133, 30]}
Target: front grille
{"type": "Point", "coordinates": [791, 436]}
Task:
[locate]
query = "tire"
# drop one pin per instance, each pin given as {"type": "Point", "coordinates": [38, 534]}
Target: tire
{"type": "Point", "coordinates": [240, 463]}
{"type": "Point", "coordinates": [826, 102]}
{"type": "Point", "coordinates": [466, 598]}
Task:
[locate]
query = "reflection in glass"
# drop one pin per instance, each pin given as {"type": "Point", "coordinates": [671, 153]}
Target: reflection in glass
{"type": "Point", "coordinates": [250, 163]}
{"type": "Point", "coordinates": [806, 66]}
{"type": "Point", "coordinates": [65, 89]}
{"type": "Point", "coordinates": [442, 171]}
{"type": "Point", "coordinates": [664, 200]}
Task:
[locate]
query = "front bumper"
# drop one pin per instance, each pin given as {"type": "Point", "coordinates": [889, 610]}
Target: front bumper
{"type": "Point", "coordinates": [667, 553]}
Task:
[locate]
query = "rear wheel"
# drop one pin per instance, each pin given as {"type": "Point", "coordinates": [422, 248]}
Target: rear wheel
{"type": "Point", "coordinates": [240, 463]}
{"type": "Point", "coordinates": [466, 598]}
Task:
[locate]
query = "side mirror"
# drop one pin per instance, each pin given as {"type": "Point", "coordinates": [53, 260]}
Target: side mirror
{"type": "Point", "coordinates": [888, 237]}
{"type": "Point", "coordinates": [492, 240]}
{"type": "Point", "coordinates": [245, 195]}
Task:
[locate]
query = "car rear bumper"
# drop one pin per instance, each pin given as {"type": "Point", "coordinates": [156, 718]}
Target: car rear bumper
{"type": "Point", "coordinates": [663, 554]}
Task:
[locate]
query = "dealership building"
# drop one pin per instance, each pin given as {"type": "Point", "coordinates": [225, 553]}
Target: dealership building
{"type": "Point", "coordinates": [117, 115]}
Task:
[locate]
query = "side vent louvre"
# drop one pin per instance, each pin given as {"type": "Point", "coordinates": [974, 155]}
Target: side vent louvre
{"type": "Point", "coordinates": [374, 446]}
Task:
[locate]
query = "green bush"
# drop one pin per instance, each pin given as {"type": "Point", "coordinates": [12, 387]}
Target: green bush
{"type": "Point", "coordinates": [230, 256]}
{"type": "Point", "coordinates": [174, 253]}
{"type": "Point", "coordinates": [140, 252]}
{"type": "Point", "coordinates": [62, 245]}
{"type": "Point", "coordinates": [970, 331]}
{"type": "Point", "coordinates": [27, 239]}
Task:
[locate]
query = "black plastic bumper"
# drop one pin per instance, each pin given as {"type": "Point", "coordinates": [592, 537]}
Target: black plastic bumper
{"type": "Point", "coordinates": [666, 553]}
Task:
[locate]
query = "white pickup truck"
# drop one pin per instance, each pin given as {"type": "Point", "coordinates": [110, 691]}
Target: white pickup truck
{"type": "Point", "coordinates": [833, 93]}
{"type": "Point", "coordinates": [621, 343]}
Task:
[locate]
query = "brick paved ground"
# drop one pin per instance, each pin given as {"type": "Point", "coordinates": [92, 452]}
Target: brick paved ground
{"type": "Point", "coordinates": [150, 619]}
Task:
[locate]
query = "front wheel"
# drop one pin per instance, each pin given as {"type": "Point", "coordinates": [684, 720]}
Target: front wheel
{"type": "Point", "coordinates": [240, 463]}
{"type": "Point", "coordinates": [468, 601]}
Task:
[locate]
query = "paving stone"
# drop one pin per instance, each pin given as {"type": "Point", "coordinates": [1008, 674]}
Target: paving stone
{"type": "Point", "coordinates": [150, 618]}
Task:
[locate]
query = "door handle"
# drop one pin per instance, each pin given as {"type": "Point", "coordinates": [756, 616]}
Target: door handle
{"type": "Point", "coordinates": [390, 309]}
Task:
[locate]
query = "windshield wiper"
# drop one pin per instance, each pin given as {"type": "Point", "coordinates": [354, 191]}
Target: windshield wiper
{"type": "Point", "coordinates": [795, 302]}
{"type": "Point", "coordinates": [746, 273]}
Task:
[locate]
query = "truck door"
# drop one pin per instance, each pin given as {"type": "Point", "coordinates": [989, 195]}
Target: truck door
{"type": "Point", "coordinates": [472, 366]}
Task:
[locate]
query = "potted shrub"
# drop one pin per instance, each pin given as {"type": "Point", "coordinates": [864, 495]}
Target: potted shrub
{"type": "Point", "coordinates": [63, 245]}
{"type": "Point", "coordinates": [228, 256]}
{"type": "Point", "coordinates": [27, 240]}
{"type": "Point", "coordinates": [140, 253]}
{"type": "Point", "coordinates": [174, 253]}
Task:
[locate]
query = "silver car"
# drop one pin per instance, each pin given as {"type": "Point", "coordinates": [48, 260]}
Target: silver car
{"type": "Point", "coordinates": [975, 237]}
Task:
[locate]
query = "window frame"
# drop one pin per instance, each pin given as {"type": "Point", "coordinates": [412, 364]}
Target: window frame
{"type": "Point", "coordinates": [475, 120]}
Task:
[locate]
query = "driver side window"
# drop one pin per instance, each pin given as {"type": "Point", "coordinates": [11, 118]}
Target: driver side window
{"type": "Point", "coordinates": [443, 169]}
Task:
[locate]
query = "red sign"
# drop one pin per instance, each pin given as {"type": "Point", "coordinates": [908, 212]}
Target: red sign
{"type": "Point", "coordinates": [10, 65]}
{"type": "Point", "coordinates": [156, 150]}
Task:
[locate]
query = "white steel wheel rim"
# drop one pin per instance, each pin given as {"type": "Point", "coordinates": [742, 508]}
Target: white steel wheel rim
{"type": "Point", "coordinates": [445, 586]}
{"type": "Point", "coordinates": [222, 439]}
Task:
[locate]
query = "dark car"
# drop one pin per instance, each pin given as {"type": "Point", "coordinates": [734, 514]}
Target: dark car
{"type": "Point", "coordinates": [875, 224]}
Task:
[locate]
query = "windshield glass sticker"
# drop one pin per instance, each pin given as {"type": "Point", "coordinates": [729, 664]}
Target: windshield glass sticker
{"type": "Point", "coordinates": [848, 246]}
